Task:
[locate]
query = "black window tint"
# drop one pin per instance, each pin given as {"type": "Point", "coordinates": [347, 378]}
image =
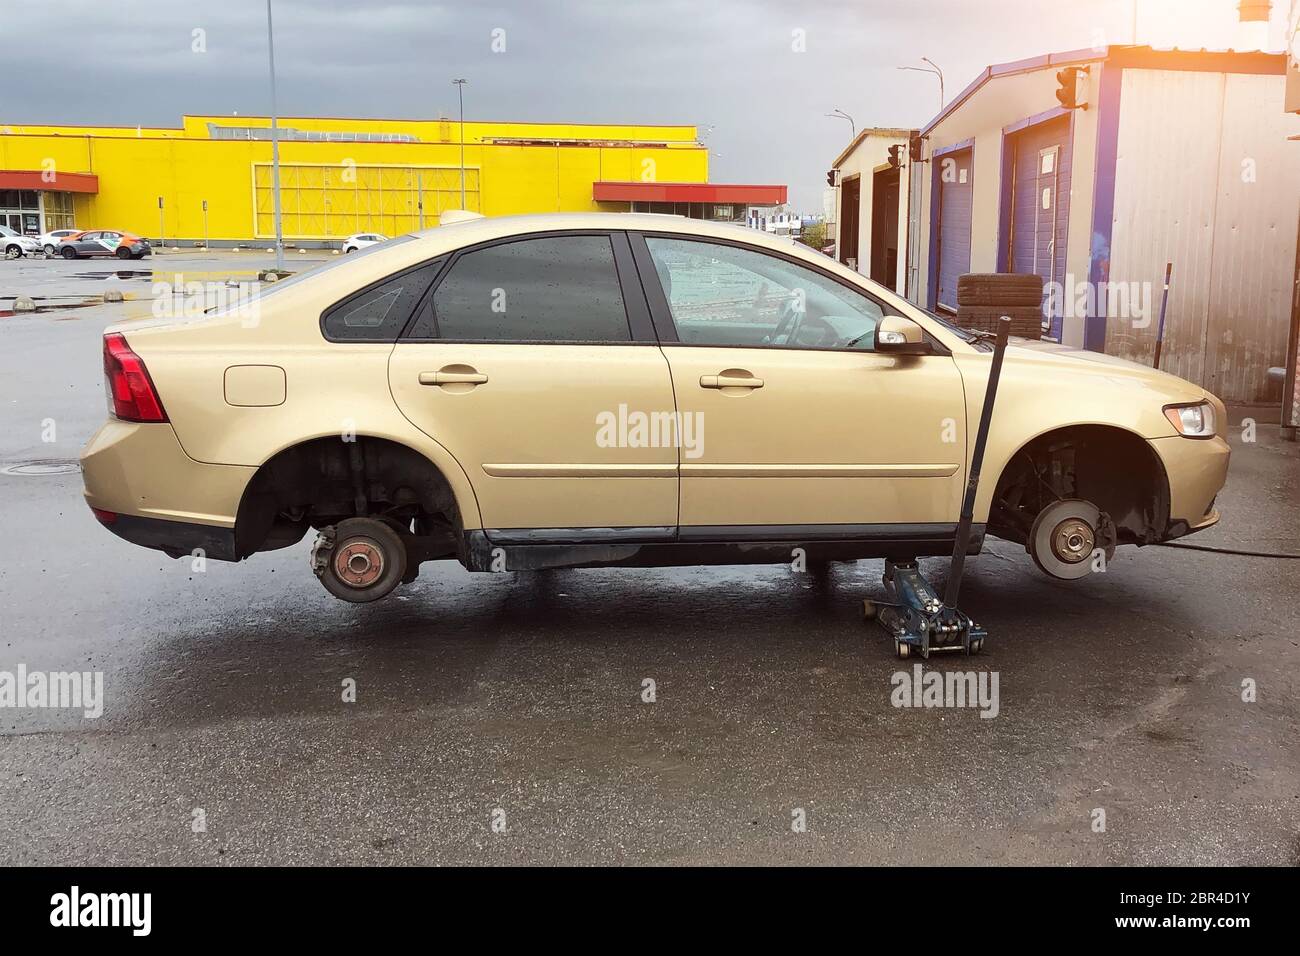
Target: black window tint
{"type": "Point", "coordinates": [552, 288]}
{"type": "Point", "coordinates": [379, 313]}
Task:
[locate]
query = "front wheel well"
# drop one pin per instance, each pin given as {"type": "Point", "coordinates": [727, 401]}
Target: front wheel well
{"type": "Point", "coordinates": [325, 480]}
{"type": "Point", "coordinates": [1115, 469]}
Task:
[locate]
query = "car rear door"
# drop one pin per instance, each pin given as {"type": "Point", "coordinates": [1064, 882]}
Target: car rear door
{"type": "Point", "coordinates": [534, 362]}
{"type": "Point", "coordinates": [804, 433]}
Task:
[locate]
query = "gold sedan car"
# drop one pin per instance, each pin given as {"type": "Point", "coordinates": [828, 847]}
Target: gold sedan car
{"type": "Point", "coordinates": [624, 390]}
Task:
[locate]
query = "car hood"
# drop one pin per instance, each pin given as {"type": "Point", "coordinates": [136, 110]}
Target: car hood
{"type": "Point", "coordinates": [1076, 360]}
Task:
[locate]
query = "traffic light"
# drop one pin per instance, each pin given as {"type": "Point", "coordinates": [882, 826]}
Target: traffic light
{"type": "Point", "coordinates": [896, 156]}
{"type": "Point", "coordinates": [1073, 83]}
{"type": "Point", "coordinates": [830, 178]}
{"type": "Point", "coordinates": [914, 148]}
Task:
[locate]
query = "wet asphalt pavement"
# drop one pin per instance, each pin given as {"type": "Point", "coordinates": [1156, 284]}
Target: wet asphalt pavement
{"type": "Point", "coordinates": [519, 698]}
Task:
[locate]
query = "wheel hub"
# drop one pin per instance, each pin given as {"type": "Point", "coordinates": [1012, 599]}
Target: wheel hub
{"type": "Point", "coordinates": [1073, 541]}
{"type": "Point", "coordinates": [358, 563]}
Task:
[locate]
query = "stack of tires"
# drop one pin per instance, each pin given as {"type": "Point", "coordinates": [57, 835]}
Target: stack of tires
{"type": "Point", "coordinates": [985, 297]}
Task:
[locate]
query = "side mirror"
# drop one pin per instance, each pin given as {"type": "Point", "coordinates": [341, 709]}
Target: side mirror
{"type": "Point", "coordinates": [896, 335]}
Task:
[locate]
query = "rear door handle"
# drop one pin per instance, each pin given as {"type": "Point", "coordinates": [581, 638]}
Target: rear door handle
{"type": "Point", "coordinates": [452, 378]}
{"type": "Point", "coordinates": [730, 381]}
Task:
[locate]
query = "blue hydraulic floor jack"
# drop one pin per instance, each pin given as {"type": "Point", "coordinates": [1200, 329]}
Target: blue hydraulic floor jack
{"type": "Point", "coordinates": [916, 617]}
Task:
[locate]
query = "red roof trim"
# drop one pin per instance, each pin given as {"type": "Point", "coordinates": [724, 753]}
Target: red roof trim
{"type": "Point", "coordinates": [52, 181]}
{"type": "Point", "coordinates": [740, 193]}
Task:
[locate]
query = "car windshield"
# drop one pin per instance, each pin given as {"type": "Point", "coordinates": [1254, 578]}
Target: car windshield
{"type": "Point", "coordinates": [965, 335]}
{"type": "Point", "coordinates": [6, 231]}
{"type": "Point", "coordinates": [951, 326]}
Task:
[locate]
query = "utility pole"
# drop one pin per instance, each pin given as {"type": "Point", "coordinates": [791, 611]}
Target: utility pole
{"type": "Point", "coordinates": [460, 94]}
{"type": "Point", "coordinates": [275, 147]}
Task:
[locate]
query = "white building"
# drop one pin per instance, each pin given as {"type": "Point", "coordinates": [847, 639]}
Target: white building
{"type": "Point", "coordinates": [870, 214]}
{"type": "Point", "coordinates": [1179, 157]}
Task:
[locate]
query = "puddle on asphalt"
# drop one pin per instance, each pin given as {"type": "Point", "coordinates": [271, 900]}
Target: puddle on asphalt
{"type": "Point", "coordinates": [118, 274]}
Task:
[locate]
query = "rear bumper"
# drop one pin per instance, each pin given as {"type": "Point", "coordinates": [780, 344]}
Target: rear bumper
{"type": "Point", "coordinates": [160, 497]}
{"type": "Point", "coordinates": [174, 538]}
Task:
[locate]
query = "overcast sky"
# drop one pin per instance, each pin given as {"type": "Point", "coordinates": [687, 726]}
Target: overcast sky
{"type": "Point", "coordinates": [762, 73]}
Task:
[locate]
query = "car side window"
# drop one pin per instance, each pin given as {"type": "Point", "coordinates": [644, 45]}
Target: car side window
{"type": "Point", "coordinates": [380, 312]}
{"type": "Point", "coordinates": [727, 295]}
{"type": "Point", "coordinates": [543, 289]}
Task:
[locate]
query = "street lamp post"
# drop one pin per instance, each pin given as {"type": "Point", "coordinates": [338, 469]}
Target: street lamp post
{"type": "Point", "coordinates": [838, 113]}
{"type": "Point", "coordinates": [275, 147]}
{"type": "Point", "coordinates": [460, 95]}
{"type": "Point", "coordinates": [932, 68]}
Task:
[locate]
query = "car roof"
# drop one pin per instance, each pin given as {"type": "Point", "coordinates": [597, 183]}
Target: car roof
{"type": "Point", "coordinates": [501, 226]}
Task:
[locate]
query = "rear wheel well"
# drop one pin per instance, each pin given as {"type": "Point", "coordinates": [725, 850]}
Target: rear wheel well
{"type": "Point", "coordinates": [325, 480]}
{"type": "Point", "coordinates": [1114, 469]}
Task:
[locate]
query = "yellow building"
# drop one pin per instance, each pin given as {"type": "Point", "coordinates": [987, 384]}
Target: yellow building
{"type": "Point", "coordinates": [211, 178]}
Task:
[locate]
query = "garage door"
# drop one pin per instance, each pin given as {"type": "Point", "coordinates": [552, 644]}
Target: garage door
{"type": "Point", "coordinates": [1040, 210]}
{"type": "Point", "coordinates": [955, 193]}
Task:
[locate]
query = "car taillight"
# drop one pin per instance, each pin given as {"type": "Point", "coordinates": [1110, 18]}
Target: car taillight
{"type": "Point", "coordinates": [104, 517]}
{"type": "Point", "coordinates": [131, 395]}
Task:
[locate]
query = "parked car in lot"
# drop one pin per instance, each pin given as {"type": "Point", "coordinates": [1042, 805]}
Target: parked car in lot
{"type": "Point", "coordinates": [49, 241]}
{"type": "Point", "coordinates": [104, 242]}
{"type": "Point", "coordinates": [361, 240]}
{"type": "Point", "coordinates": [631, 390]}
{"type": "Point", "coordinates": [16, 245]}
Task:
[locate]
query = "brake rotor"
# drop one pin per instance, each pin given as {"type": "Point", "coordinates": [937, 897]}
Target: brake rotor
{"type": "Point", "coordinates": [1065, 536]}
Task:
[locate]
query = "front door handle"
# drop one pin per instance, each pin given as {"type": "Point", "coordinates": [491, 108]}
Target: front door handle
{"type": "Point", "coordinates": [452, 378]}
{"type": "Point", "coordinates": [730, 379]}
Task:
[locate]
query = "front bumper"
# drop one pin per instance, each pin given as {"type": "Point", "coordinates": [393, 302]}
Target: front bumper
{"type": "Point", "coordinates": [1197, 470]}
{"type": "Point", "coordinates": [158, 496]}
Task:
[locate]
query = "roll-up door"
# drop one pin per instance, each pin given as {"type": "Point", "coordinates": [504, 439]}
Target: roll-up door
{"type": "Point", "coordinates": [955, 200]}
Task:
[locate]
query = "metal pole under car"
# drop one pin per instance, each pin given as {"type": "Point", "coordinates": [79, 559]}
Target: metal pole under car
{"type": "Point", "coordinates": [275, 147]}
{"type": "Point", "coordinates": [916, 617]}
{"type": "Point", "coordinates": [962, 542]}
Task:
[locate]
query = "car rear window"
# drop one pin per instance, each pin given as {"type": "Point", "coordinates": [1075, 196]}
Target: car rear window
{"type": "Point", "coordinates": [270, 288]}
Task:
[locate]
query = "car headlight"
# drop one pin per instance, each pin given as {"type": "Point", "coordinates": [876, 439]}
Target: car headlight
{"type": "Point", "coordinates": [1192, 421]}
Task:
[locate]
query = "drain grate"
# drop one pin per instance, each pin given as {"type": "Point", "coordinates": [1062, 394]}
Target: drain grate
{"type": "Point", "coordinates": [42, 466]}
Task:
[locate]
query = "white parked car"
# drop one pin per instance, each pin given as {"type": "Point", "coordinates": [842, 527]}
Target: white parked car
{"type": "Point", "coordinates": [50, 240]}
{"type": "Point", "coordinates": [16, 245]}
{"type": "Point", "coordinates": [361, 240]}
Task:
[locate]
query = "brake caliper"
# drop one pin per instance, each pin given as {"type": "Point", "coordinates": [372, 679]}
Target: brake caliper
{"type": "Point", "coordinates": [322, 550]}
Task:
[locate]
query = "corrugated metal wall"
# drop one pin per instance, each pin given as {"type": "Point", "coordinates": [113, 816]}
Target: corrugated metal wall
{"type": "Point", "coordinates": [1207, 180]}
{"type": "Point", "coordinates": [955, 203]}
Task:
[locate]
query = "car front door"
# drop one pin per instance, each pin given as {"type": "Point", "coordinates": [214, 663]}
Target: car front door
{"type": "Point", "coordinates": [804, 431]}
{"type": "Point", "coordinates": [87, 244]}
{"type": "Point", "coordinates": [535, 364]}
